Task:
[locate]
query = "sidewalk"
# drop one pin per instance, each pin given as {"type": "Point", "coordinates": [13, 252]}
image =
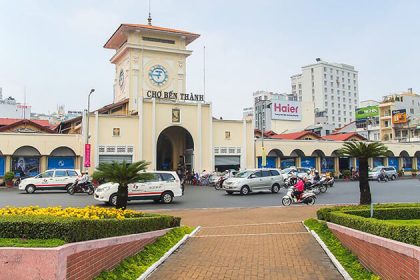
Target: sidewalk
{"type": "Point", "coordinates": [254, 243]}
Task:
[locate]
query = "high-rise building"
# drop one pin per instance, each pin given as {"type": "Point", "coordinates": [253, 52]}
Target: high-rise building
{"type": "Point", "coordinates": [9, 108]}
{"type": "Point", "coordinates": [332, 87]}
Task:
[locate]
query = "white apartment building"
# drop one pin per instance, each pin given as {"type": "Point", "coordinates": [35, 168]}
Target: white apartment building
{"type": "Point", "coordinates": [10, 109]}
{"type": "Point", "coordinates": [332, 87]}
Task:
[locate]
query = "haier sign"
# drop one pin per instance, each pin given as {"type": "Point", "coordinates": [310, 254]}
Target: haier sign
{"type": "Point", "coordinates": [286, 110]}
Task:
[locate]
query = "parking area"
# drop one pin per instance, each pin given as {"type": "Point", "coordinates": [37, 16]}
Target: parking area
{"type": "Point", "coordinates": [207, 197]}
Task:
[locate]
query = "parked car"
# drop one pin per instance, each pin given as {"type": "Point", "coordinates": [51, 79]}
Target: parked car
{"type": "Point", "coordinates": [162, 187]}
{"type": "Point", "coordinates": [254, 180]}
{"type": "Point", "coordinates": [218, 184]}
{"type": "Point", "coordinates": [390, 172]}
{"type": "Point", "coordinates": [299, 171]}
{"type": "Point", "coordinates": [54, 179]}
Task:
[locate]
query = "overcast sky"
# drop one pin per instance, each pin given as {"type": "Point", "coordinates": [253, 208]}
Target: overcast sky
{"type": "Point", "coordinates": [54, 48]}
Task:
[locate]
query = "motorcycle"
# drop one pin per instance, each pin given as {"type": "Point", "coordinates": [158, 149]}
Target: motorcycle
{"type": "Point", "coordinates": [85, 187]}
{"type": "Point", "coordinates": [329, 181]}
{"type": "Point", "coordinates": [382, 177]}
{"type": "Point", "coordinates": [307, 197]}
{"type": "Point", "coordinates": [316, 187]}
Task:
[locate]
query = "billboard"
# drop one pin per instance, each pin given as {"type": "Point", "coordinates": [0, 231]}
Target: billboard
{"type": "Point", "coordinates": [399, 116]}
{"type": "Point", "coordinates": [25, 166]}
{"type": "Point", "coordinates": [364, 113]}
{"type": "Point", "coordinates": [286, 110]}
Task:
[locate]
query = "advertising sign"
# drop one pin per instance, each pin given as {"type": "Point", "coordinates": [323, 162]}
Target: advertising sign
{"type": "Point", "coordinates": [308, 162]}
{"type": "Point", "coordinates": [364, 113]}
{"type": "Point", "coordinates": [87, 155]}
{"type": "Point", "coordinates": [378, 161]}
{"type": "Point", "coordinates": [286, 110]}
{"type": "Point", "coordinates": [407, 163]}
{"type": "Point", "coordinates": [25, 166]}
{"type": "Point", "coordinates": [393, 161]}
{"type": "Point", "coordinates": [399, 116]}
{"type": "Point", "coordinates": [287, 162]}
{"type": "Point", "coordinates": [327, 164]}
{"type": "Point", "coordinates": [61, 163]}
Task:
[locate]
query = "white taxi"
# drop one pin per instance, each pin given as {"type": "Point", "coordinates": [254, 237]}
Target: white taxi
{"type": "Point", "coordinates": [54, 179]}
{"type": "Point", "coordinates": [162, 187]}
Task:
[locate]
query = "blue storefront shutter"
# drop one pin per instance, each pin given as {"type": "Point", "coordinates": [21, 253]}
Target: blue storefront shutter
{"type": "Point", "coordinates": [393, 161]}
{"type": "Point", "coordinates": [308, 162]}
{"type": "Point", "coordinates": [61, 163]}
{"type": "Point", "coordinates": [271, 162]}
{"type": "Point", "coordinates": [2, 166]}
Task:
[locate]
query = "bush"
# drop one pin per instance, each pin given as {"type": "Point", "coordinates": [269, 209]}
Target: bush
{"type": "Point", "coordinates": [78, 229]}
{"type": "Point", "coordinates": [357, 217]}
{"type": "Point", "coordinates": [346, 173]}
{"type": "Point", "coordinates": [9, 176]}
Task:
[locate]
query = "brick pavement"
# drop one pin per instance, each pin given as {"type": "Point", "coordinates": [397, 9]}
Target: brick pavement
{"type": "Point", "coordinates": [248, 243]}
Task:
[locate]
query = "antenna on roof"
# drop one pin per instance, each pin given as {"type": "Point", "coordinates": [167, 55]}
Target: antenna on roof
{"type": "Point", "coordinates": [149, 20]}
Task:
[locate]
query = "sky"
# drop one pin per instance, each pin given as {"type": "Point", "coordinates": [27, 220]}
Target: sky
{"type": "Point", "coordinates": [54, 51]}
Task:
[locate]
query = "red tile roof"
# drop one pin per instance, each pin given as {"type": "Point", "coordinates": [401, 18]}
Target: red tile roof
{"type": "Point", "coordinates": [7, 121]}
{"type": "Point", "coordinates": [295, 135]}
{"type": "Point", "coordinates": [119, 36]}
{"type": "Point", "coordinates": [343, 136]}
{"type": "Point", "coordinates": [37, 123]}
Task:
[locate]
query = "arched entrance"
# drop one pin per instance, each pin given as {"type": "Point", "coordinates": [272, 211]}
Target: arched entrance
{"type": "Point", "coordinates": [175, 146]}
{"type": "Point", "coordinates": [26, 161]}
{"type": "Point", "coordinates": [62, 158]}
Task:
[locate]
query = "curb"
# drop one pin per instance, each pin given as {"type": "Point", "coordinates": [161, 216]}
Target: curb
{"type": "Point", "coordinates": [333, 259]}
{"type": "Point", "coordinates": [154, 266]}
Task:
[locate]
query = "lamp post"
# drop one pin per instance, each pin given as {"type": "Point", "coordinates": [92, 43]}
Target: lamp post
{"type": "Point", "coordinates": [87, 130]}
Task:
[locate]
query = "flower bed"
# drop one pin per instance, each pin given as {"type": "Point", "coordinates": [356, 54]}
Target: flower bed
{"type": "Point", "coordinates": [78, 224]}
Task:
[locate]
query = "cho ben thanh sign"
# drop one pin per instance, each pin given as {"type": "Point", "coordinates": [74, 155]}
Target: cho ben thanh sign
{"type": "Point", "coordinates": [286, 110]}
{"type": "Point", "coordinates": [171, 95]}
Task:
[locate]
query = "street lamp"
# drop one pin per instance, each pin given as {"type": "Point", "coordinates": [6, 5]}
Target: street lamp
{"type": "Point", "coordinates": [88, 111]}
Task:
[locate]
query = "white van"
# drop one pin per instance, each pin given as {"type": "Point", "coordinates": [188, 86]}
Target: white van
{"type": "Point", "coordinates": [163, 187]}
{"type": "Point", "coordinates": [54, 179]}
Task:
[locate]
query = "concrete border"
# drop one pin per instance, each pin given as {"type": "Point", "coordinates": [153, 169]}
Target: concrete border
{"type": "Point", "coordinates": [333, 259]}
{"type": "Point", "coordinates": [154, 266]}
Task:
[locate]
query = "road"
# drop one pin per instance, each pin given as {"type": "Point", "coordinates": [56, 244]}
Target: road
{"type": "Point", "coordinates": [207, 197]}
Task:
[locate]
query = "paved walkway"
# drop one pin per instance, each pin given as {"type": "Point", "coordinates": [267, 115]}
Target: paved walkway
{"type": "Point", "coordinates": [248, 243]}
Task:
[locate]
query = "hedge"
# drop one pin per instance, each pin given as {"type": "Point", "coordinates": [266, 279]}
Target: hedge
{"type": "Point", "coordinates": [357, 217]}
{"type": "Point", "coordinates": [76, 229]}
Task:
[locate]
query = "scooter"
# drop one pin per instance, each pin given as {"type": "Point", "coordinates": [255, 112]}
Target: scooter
{"type": "Point", "coordinates": [329, 181]}
{"type": "Point", "coordinates": [316, 187]}
{"type": "Point", "coordinates": [85, 187]}
{"type": "Point", "coordinates": [307, 197]}
{"type": "Point", "coordinates": [383, 178]}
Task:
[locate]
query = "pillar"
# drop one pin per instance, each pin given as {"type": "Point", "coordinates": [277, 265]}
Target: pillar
{"type": "Point", "coordinates": [337, 166]}
{"type": "Point", "coordinates": [243, 149]}
{"type": "Point", "coordinates": [199, 154]}
{"type": "Point", "coordinates": [42, 164]}
{"type": "Point", "coordinates": [400, 163]}
{"type": "Point", "coordinates": [386, 162]}
{"type": "Point", "coordinates": [153, 134]}
{"type": "Point", "coordinates": [370, 162]}
{"type": "Point", "coordinates": [278, 162]}
{"type": "Point", "coordinates": [298, 161]}
{"type": "Point", "coordinates": [140, 115]}
{"type": "Point", "coordinates": [318, 163]}
{"type": "Point", "coordinates": [96, 159]}
{"type": "Point", "coordinates": [211, 148]}
{"type": "Point", "coordinates": [415, 163]}
{"type": "Point", "coordinates": [8, 162]}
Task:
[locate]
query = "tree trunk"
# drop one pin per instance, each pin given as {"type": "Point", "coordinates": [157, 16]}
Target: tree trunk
{"type": "Point", "coordinates": [122, 197]}
{"type": "Point", "coordinates": [365, 196]}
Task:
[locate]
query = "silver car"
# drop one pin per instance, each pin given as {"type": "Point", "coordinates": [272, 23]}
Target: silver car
{"type": "Point", "coordinates": [254, 180]}
{"type": "Point", "coordinates": [390, 172]}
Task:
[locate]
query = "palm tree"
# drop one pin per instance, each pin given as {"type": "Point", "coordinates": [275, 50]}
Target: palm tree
{"type": "Point", "coordinates": [363, 151]}
{"type": "Point", "coordinates": [123, 173]}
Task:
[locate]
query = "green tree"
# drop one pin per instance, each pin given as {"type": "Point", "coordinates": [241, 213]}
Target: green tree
{"type": "Point", "coordinates": [123, 174]}
{"type": "Point", "coordinates": [363, 151]}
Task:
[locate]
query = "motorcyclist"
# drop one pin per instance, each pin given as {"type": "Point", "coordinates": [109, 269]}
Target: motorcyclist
{"type": "Point", "coordinates": [316, 177]}
{"type": "Point", "coordinates": [83, 179]}
{"type": "Point", "coordinates": [299, 188]}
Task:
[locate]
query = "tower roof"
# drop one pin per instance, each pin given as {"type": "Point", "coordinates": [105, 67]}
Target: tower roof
{"type": "Point", "coordinates": [119, 36]}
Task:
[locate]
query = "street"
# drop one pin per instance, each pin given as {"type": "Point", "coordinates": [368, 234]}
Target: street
{"type": "Point", "coordinates": [208, 197]}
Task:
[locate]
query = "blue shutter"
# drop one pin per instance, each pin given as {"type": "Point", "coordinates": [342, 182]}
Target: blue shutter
{"type": "Point", "coordinates": [61, 163]}
{"type": "Point", "coordinates": [2, 163]}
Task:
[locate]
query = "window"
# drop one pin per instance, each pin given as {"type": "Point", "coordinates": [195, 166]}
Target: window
{"type": "Point", "coordinates": [325, 97]}
{"type": "Point", "coordinates": [325, 76]}
{"type": "Point", "coordinates": [300, 86]}
{"type": "Point", "coordinates": [266, 173]}
{"type": "Point", "coordinates": [332, 84]}
{"type": "Point", "coordinates": [339, 119]}
{"type": "Point", "coordinates": [72, 173]}
{"type": "Point", "coordinates": [351, 114]}
{"type": "Point", "coordinates": [349, 87]}
{"type": "Point", "coordinates": [332, 104]}
{"type": "Point", "coordinates": [60, 173]}
{"type": "Point", "coordinates": [332, 97]}
{"type": "Point", "coordinates": [332, 91]}
{"type": "Point", "coordinates": [338, 91]}
{"type": "Point", "coordinates": [355, 88]}
{"type": "Point", "coordinates": [344, 100]}
{"type": "Point", "coordinates": [326, 103]}
{"type": "Point", "coordinates": [344, 105]}
{"type": "Point", "coordinates": [354, 81]}
{"type": "Point", "coordinates": [354, 76]}
{"type": "Point", "coordinates": [116, 131]}
{"type": "Point", "coordinates": [158, 40]}
{"type": "Point", "coordinates": [333, 118]}
{"type": "Point", "coordinates": [167, 177]}
{"type": "Point", "coordinates": [325, 83]}
{"type": "Point", "coordinates": [339, 112]}
{"type": "Point", "coordinates": [411, 110]}
{"type": "Point", "coordinates": [350, 107]}
{"type": "Point", "coordinates": [332, 111]}
{"type": "Point", "coordinates": [344, 113]}
{"type": "Point", "coordinates": [258, 174]}
{"type": "Point", "coordinates": [47, 174]}
{"type": "Point", "coordinates": [331, 71]}
{"type": "Point", "coordinates": [342, 73]}
{"type": "Point", "coordinates": [338, 98]}
{"type": "Point", "coordinates": [325, 89]}
{"type": "Point", "coordinates": [227, 134]}
{"type": "Point", "coordinates": [274, 173]}
{"type": "Point", "coordinates": [338, 105]}
{"type": "Point", "coordinates": [355, 95]}
{"type": "Point", "coordinates": [348, 75]}
{"type": "Point", "coordinates": [337, 72]}
{"type": "Point", "coordinates": [345, 119]}
{"type": "Point", "coordinates": [331, 77]}
{"type": "Point", "coordinates": [343, 86]}
{"type": "Point", "coordinates": [342, 79]}
{"type": "Point", "coordinates": [325, 69]}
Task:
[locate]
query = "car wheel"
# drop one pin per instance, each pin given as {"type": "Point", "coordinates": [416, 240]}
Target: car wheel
{"type": "Point", "coordinates": [393, 177]}
{"type": "Point", "coordinates": [286, 201]}
{"type": "Point", "coordinates": [229, 192]}
{"type": "Point", "coordinates": [167, 197]}
{"type": "Point", "coordinates": [275, 188]}
{"type": "Point", "coordinates": [113, 199]}
{"type": "Point", "coordinates": [244, 190]}
{"type": "Point", "coordinates": [30, 189]}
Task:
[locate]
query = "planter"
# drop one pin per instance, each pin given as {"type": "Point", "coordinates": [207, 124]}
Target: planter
{"type": "Point", "coordinates": [9, 184]}
{"type": "Point", "coordinates": [80, 260]}
{"type": "Point", "coordinates": [387, 258]}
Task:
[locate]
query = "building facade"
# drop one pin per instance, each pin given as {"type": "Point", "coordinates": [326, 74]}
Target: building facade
{"type": "Point", "coordinates": [9, 108]}
{"type": "Point", "coordinates": [332, 87]}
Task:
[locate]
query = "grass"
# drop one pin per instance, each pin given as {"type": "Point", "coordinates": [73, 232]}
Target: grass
{"type": "Point", "coordinates": [19, 242]}
{"type": "Point", "coordinates": [132, 267]}
{"type": "Point", "coordinates": [350, 262]}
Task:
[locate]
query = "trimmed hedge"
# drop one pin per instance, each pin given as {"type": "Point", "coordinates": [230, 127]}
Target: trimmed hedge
{"type": "Point", "coordinates": [76, 229]}
{"type": "Point", "coordinates": [357, 217]}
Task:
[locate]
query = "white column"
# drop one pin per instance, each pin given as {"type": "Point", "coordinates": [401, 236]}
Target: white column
{"type": "Point", "coordinates": [243, 148]}
{"type": "Point", "coordinates": [96, 139]}
{"type": "Point", "coordinates": [211, 148]}
{"type": "Point", "coordinates": [198, 155]}
{"type": "Point", "coordinates": [154, 134]}
{"type": "Point", "coordinates": [140, 114]}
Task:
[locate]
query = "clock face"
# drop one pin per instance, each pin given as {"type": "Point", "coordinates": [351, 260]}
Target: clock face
{"type": "Point", "coordinates": [158, 75]}
{"type": "Point", "coordinates": [121, 79]}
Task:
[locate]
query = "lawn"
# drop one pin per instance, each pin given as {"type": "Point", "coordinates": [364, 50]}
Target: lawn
{"type": "Point", "coordinates": [19, 242]}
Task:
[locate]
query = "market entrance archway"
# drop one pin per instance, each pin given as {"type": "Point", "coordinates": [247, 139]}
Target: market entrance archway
{"type": "Point", "coordinates": [175, 146]}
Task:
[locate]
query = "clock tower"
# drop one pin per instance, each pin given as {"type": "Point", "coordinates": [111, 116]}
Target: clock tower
{"type": "Point", "coordinates": [150, 62]}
